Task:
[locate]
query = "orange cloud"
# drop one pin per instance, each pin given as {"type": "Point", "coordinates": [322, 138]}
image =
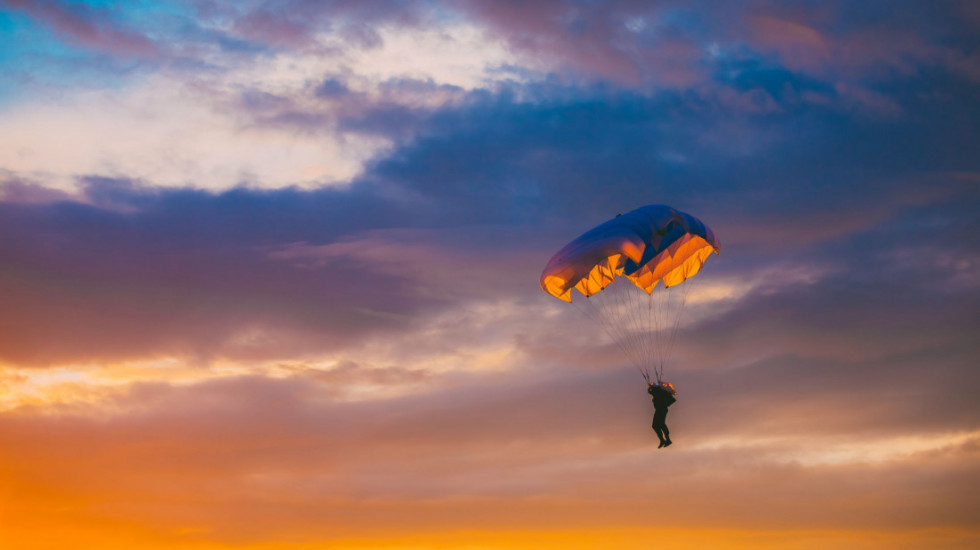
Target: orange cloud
{"type": "Point", "coordinates": [273, 463]}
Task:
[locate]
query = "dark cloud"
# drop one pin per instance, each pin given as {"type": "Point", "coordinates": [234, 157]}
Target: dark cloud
{"type": "Point", "coordinates": [331, 87]}
{"type": "Point", "coordinates": [822, 188]}
{"type": "Point", "coordinates": [16, 190]}
{"type": "Point", "coordinates": [144, 272]}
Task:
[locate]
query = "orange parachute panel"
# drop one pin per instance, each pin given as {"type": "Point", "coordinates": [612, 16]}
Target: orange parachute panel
{"type": "Point", "coordinates": [650, 244]}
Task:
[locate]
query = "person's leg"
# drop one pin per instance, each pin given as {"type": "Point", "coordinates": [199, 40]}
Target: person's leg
{"type": "Point", "coordinates": [658, 426]}
{"type": "Point", "coordinates": [663, 428]}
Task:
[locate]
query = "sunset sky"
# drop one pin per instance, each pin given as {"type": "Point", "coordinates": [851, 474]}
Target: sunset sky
{"type": "Point", "coordinates": [269, 274]}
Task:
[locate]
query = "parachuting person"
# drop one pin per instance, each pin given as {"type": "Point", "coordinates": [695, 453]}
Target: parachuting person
{"type": "Point", "coordinates": [663, 397]}
{"type": "Point", "coordinates": [625, 271]}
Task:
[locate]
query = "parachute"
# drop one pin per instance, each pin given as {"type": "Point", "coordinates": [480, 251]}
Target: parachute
{"type": "Point", "coordinates": [617, 267]}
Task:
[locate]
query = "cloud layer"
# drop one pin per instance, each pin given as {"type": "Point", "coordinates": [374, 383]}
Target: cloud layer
{"type": "Point", "coordinates": [269, 271]}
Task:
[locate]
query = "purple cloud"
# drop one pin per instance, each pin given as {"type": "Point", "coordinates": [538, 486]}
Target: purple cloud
{"type": "Point", "coordinates": [89, 28]}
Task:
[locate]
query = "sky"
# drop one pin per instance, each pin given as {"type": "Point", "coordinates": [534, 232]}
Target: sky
{"type": "Point", "coordinates": [269, 274]}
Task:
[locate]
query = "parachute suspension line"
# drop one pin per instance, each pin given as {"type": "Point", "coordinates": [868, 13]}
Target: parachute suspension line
{"type": "Point", "coordinates": [682, 301]}
{"type": "Point", "coordinates": [641, 309]}
{"type": "Point", "coordinates": [646, 333]}
{"type": "Point", "coordinates": [661, 302]}
{"type": "Point", "coordinates": [636, 311]}
{"type": "Point", "coordinates": [628, 302]}
{"type": "Point", "coordinates": [670, 314]}
{"type": "Point", "coordinates": [626, 314]}
{"type": "Point", "coordinates": [673, 313]}
{"type": "Point", "coordinates": [656, 308]}
{"type": "Point", "coordinates": [650, 330]}
{"type": "Point", "coordinates": [619, 310]}
{"type": "Point", "coordinates": [601, 313]}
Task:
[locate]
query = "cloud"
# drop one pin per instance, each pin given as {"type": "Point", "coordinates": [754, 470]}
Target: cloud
{"type": "Point", "coordinates": [490, 181]}
{"type": "Point", "coordinates": [247, 274]}
{"type": "Point", "coordinates": [18, 191]}
{"type": "Point", "coordinates": [284, 286]}
{"type": "Point", "coordinates": [195, 121]}
{"type": "Point", "coordinates": [126, 273]}
{"type": "Point", "coordinates": [187, 121]}
{"type": "Point", "coordinates": [89, 28]}
{"type": "Point", "coordinates": [295, 24]}
{"type": "Point", "coordinates": [624, 43]}
{"type": "Point", "coordinates": [172, 133]}
{"type": "Point", "coordinates": [490, 448]}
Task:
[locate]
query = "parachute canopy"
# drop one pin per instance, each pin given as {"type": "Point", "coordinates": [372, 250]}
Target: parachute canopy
{"type": "Point", "coordinates": [650, 244]}
{"type": "Point", "coordinates": [618, 264]}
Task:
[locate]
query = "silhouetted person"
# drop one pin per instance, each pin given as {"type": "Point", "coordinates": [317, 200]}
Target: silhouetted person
{"type": "Point", "coordinates": [662, 398]}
